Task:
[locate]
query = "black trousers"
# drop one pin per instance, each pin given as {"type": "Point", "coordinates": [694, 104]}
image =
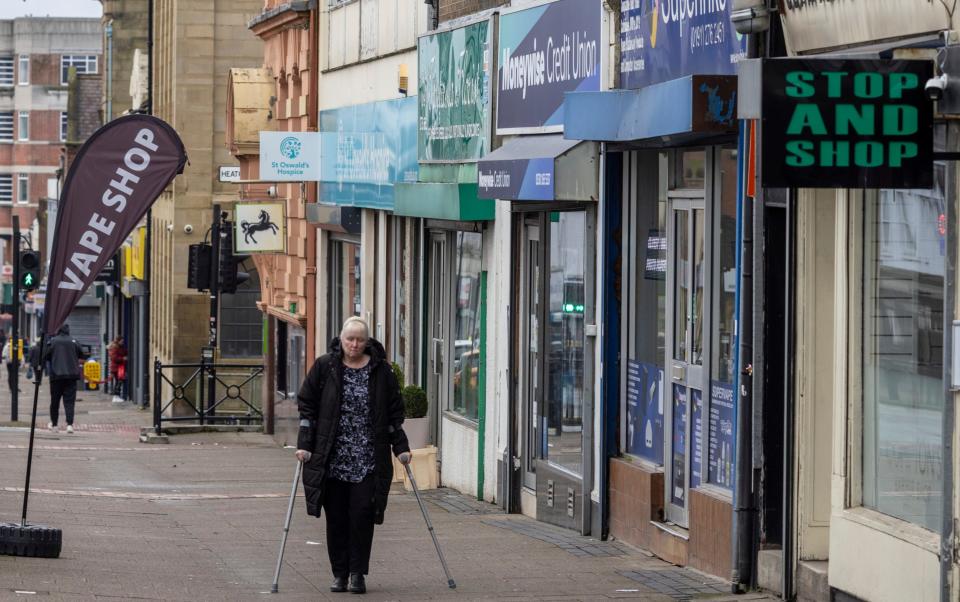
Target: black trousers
{"type": "Point", "coordinates": [349, 509]}
{"type": "Point", "coordinates": [67, 391]}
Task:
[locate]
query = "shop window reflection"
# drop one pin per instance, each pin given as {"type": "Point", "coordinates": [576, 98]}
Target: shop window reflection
{"type": "Point", "coordinates": [565, 341]}
{"type": "Point", "coordinates": [903, 296]}
{"type": "Point", "coordinates": [466, 340]}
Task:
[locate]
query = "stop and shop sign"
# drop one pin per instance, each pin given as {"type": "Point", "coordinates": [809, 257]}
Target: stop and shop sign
{"type": "Point", "coordinates": [834, 123]}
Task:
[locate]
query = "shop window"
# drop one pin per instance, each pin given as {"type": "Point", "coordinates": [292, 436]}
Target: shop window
{"type": "Point", "coordinates": [721, 445]}
{"type": "Point", "coordinates": [466, 324]}
{"type": "Point", "coordinates": [564, 341]}
{"type": "Point", "coordinates": [398, 329]}
{"type": "Point", "coordinates": [691, 169]}
{"type": "Point", "coordinates": [902, 352]}
{"type": "Point", "coordinates": [241, 323]}
{"type": "Point", "coordinates": [344, 283]}
{"type": "Point", "coordinates": [646, 312]}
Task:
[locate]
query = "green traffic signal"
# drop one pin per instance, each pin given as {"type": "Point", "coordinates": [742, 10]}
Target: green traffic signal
{"type": "Point", "coordinates": [28, 279]}
{"type": "Point", "coordinates": [29, 270]}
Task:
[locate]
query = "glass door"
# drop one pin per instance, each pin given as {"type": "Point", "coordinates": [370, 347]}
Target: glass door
{"type": "Point", "coordinates": [534, 442]}
{"type": "Point", "coordinates": [685, 341]}
{"type": "Point", "coordinates": [438, 283]}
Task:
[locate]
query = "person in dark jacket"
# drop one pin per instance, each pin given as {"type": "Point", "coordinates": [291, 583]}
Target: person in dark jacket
{"type": "Point", "coordinates": [351, 415]}
{"type": "Point", "coordinates": [63, 353]}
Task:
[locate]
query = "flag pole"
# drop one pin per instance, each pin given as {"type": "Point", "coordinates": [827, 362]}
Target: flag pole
{"type": "Point", "coordinates": [38, 376]}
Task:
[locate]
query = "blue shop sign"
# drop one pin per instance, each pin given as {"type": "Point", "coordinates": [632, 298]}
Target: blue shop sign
{"type": "Point", "coordinates": [546, 51]}
{"type": "Point", "coordinates": [662, 40]}
{"type": "Point", "coordinates": [366, 150]}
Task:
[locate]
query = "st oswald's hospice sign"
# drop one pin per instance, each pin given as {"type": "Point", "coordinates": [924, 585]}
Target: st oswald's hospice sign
{"type": "Point", "coordinates": [847, 124]}
{"type": "Point", "coordinates": [290, 156]}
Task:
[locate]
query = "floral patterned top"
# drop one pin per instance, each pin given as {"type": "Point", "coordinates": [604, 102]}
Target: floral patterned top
{"type": "Point", "coordinates": [353, 452]}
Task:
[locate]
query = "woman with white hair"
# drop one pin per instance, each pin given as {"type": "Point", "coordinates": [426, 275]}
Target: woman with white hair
{"type": "Point", "coordinates": [351, 414]}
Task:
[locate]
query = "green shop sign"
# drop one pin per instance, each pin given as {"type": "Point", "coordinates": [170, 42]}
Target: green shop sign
{"type": "Point", "coordinates": [454, 94]}
{"type": "Point", "coordinates": [846, 124]}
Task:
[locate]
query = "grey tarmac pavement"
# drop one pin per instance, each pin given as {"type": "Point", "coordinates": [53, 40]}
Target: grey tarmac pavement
{"type": "Point", "coordinates": [201, 519]}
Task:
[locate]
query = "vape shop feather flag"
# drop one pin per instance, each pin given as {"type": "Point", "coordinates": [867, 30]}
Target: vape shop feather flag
{"type": "Point", "coordinates": [117, 175]}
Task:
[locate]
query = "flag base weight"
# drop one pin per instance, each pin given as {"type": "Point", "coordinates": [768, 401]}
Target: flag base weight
{"type": "Point", "coordinates": [35, 541]}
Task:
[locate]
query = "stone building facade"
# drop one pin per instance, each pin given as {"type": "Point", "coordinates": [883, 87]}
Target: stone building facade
{"type": "Point", "coordinates": [195, 45]}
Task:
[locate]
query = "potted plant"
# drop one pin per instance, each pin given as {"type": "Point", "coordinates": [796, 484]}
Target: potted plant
{"type": "Point", "coordinates": [416, 424]}
{"type": "Point", "coordinates": [415, 407]}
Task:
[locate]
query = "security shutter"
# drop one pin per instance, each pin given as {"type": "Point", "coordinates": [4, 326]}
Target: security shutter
{"type": "Point", "coordinates": [84, 325]}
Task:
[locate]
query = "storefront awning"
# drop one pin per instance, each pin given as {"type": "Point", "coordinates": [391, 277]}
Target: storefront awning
{"type": "Point", "coordinates": [334, 217]}
{"type": "Point", "coordinates": [439, 200]}
{"type": "Point", "coordinates": [679, 109]}
{"type": "Point", "coordinates": [541, 168]}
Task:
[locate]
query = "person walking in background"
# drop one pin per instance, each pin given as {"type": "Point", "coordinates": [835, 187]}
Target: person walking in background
{"type": "Point", "coordinates": [351, 414]}
{"type": "Point", "coordinates": [13, 380]}
{"type": "Point", "coordinates": [117, 354]}
{"type": "Point", "coordinates": [64, 354]}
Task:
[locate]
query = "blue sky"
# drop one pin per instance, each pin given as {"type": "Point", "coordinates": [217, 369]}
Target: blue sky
{"type": "Point", "coordinates": [54, 8]}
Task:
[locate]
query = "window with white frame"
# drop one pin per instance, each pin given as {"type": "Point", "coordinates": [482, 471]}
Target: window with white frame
{"type": "Point", "coordinates": [6, 70]}
{"type": "Point", "coordinates": [63, 126]}
{"type": "Point", "coordinates": [23, 70]}
{"type": "Point", "coordinates": [6, 188]}
{"type": "Point", "coordinates": [84, 63]}
{"type": "Point", "coordinates": [903, 292]}
{"type": "Point", "coordinates": [23, 188]}
{"type": "Point", "coordinates": [23, 126]}
{"type": "Point", "coordinates": [6, 126]}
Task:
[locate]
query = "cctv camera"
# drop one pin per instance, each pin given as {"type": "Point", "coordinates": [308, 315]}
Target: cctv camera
{"type": "Point", "coordinates": [188, 229]}
{"type": "Point", "coordinates": [935, 87]}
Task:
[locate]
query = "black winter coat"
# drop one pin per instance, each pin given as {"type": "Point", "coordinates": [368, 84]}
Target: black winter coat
{"type": "Point", "coordinates": [319, 402]}
{"type": "Point", "coordinates": [64, 354]}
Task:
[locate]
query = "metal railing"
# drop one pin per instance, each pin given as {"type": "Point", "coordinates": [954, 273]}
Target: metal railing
{"type": "Point", "coordinates": [207, 393]}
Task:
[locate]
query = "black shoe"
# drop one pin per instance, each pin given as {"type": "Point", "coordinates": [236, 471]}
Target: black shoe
{"type": "Point", "coordinates": [339, 585]}
{"type": "Point", "coordinates": [357, 585]}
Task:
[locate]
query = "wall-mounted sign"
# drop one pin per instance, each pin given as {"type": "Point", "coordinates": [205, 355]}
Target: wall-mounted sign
{"type": "Point", "coordinates": [289, 156]}
{"type": "Point", "coordinates": [544, 52]}
{"type": "Point", "coordinates": [662, 40]}
{"type": "Point", "coordinates": [810, 25]}
{"type": "Point", "coordinates": [367, 149]}
{"type": "Point", "coordinates": [229, 173]}
{"type": "Point", "coordinates": [846, 124]}
{"type": "Point", "coordinates": [454, 94]}
{"type": "Point", "coordinates": [259, 228]}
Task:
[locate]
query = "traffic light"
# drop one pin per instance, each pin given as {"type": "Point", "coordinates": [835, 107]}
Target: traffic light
{"type": "Point", "coordinates": [198, 267]}
{"type": "Point", "coordinates": [230, 275]}
{"type": "Point", "coordinates": [29, 270]}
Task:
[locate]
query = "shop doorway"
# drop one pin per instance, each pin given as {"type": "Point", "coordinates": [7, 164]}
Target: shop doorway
{"type": "Point", "coordinates": [437, 327]}
{"type": "Point", "coordinates": [687, 246]}
{"type": "Point", "coordinates": [554, 357]}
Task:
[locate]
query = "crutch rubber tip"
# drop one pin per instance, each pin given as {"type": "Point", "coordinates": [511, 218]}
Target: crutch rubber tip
{"type": "Point", "coordinates": [452, 584]}
{"type": "Point", "coordinates": [274, 589]}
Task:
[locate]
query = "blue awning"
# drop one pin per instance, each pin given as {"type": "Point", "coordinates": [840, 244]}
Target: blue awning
{"type": "Point", "coordinates": [697, 105]}
{"type": "Point", "coordinates": [540, 168]}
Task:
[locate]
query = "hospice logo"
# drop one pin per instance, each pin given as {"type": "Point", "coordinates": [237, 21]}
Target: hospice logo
{"type": "Point", "coordinates": [290, 147]}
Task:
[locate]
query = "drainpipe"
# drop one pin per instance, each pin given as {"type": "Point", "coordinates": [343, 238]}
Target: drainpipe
{"type": "Point", "coordinates": [109, 31]}
{"type": "Point", "coordinates": [948, 533]}
{"type": "Point", "coordinates": [742, 497]}
{"type": "Point", "coordinates": [148, 243]}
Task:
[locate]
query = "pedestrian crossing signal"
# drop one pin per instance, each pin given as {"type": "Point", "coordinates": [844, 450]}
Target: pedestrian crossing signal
{"type": "Point", "coordinates": [29, 270]}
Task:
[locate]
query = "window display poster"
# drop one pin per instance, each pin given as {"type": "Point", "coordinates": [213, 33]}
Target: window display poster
{"type": "Point", "coordinates": [696, 464]}
{"type": "Point", "coordinates": [723, 415]}
{"type": "Point", "coordinates": [679, 451]}
{"type": "Point", "coordinates": [655, 267]}
{"type": "Point", "coordinates": [645, 411]}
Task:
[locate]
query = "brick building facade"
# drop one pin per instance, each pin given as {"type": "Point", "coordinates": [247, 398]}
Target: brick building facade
{"type": "Point", "coordinates": [35, 59]}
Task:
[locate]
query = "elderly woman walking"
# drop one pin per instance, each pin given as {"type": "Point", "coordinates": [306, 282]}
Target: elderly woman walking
{"type": "Point", "coordinates": [351, 414]}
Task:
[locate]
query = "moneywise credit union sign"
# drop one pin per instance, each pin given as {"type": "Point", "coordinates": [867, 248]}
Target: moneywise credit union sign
{"type": "Point", "coordinates": [847, 124]}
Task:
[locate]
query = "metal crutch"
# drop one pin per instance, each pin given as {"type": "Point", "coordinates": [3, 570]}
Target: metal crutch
{"type": "Point", "coordinates": [423, 509]}
{"type": "Point", "coordinates": [286, 527]}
